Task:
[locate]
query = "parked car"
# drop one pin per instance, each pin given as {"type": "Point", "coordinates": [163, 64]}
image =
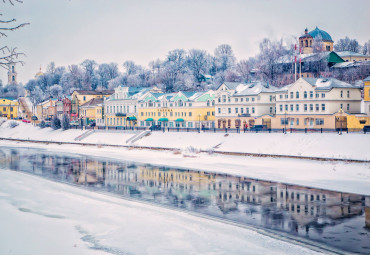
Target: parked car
{"type": "Point", "coordinates": [259, 128]}
{"type": "Point", "coordinates": [26, 121]}
{"type": "Point", "coordinates": [366, 129]}
{"type": "Point", "coordinates": [18, 118]}
{"type": "Point", "coordinates": [34, 118]}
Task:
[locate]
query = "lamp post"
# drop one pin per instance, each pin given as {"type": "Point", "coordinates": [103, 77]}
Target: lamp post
{"type": "Point", "coordinates": [285, 121]}
{"type": "Point", "coordinates": [341, 120]}
{"type": "Point", "coordinates": [199, 122]}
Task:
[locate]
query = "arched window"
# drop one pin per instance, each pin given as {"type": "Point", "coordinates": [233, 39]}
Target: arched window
{"type": "Point", "coordinates": [297, 94]}
{"type": "Point", "coordinates": [150, 103]}
{"type": "Point", "coordinates": [306, 43]}
{"type": "Point", "coordinates": [305, 94]}
{"type": "Point", "coordinates": [208, 104]}
{"type": "Point", "coordinates": [213, 103]}
{"type": "Point", "coordinates": [181, 103]}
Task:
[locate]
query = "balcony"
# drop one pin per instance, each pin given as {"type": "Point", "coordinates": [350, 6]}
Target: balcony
{"type": "Point", "coordinates": [120, 114]}
{"type": "Point", "coordinates": [244, 115]}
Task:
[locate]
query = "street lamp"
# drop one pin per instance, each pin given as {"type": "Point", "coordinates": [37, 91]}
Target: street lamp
{"type": "Point", "coordinates": [341, 120]}
{"type": "Point", "coordinates": [285, 121]}
{"type": "Point", "coordinates": [199, 122]}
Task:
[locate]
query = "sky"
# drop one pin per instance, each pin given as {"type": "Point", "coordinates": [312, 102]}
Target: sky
{"type": "Point", "coordinates": [70, 31]}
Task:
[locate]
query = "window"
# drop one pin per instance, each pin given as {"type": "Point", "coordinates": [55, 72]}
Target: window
{"type": "Point", "coordinates": [319, 122]}
{"type": "Point", "coordinates": [305, 107]}
{"type": "Point", "coordinates": [317, 95]}
{"type": "Point", "coordinates": [229, 110]}
{"type": "Point", "coordinates": [284, 121]}
{"type": "Point", "coordinates": [305, 94]}
{"type": "Point", "coordinates": [270, 98]}
{"type": "Point", "coordinates": [311, 94]}
{"type": "Point", "coordinates": [347, 107]}
{"type": "Point", "coordinates": [247, 110]}
{"type": "Point", "coordinates": [241, 99]}
{"type": "Point", "coordinates": [297, 121]}
{"type": "Point", "coordinates": [224, 98]}
{"type": "Point", "coordinates": [281, 107]}
{"type": "Point", "coordinates": [208, 114]}
{"type": "Point", "coordinates": [236, 110]}
{"type": "Point", "coordinates": [236, 100]}
{"type": "Point", "coordinates": [311, 107]}
{"type": "Point", "coordinates": [291, 95]}
{"type": "Point", "coordinates": [252, 99]}
{"type": "Point", "coordinates": [291, 107]}
{"type": "Point", "coordinates": [341, 93]}
{"type": "Point", "coordinates": [270, 109]}
{"type": "Point", "coordinates": [317, 107]}
{"type": "Point", "coordinates": [241, 110]}
{"type": "Point", "coordinates": [286, 107]}
{"type": "Point", "coordinates": [281, 96]}
{"type": "Point", "coordinates": [252, 109]}
{"type": "Point", "coordinates": [228, 99]}
{"type": "Point", "coordinates": [297, 94]}
{"type": "Point", "coordinates": [219, 99]}
{"type": "Point", "coordinates": [219, 110]}
{"type": "Point", "coordinates": [159, 114]}
{"type": "Point", "coordinates": [286, 96]}
{"type": "Point", "coordinates": [322, 95]}
{"type": "Point", "coordinates": [208, 103]}
{"type": "Point", "coordinates": [348, 93]}
{"type": "Point", "coordinates": [341, 106]}
{"type": "Point", "coordinates": [190, 114]}
{"type": "Point", "coordinates": [84, 98]}
{"type": "Point", "coordinates": [297, 107]}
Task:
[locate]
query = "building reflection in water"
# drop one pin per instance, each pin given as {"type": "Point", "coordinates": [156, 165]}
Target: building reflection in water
{"type": "Point", "coordinates": [307, 212]}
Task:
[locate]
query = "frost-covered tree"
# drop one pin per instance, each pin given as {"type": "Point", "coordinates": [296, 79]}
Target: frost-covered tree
{"type": "Point", "coordinates": [89, 80]}
{"type": "Point", "coordinates": [366, 48]}
{"type": "Point", "coordinates": [347, 44]}
{"type": "Point", "coordinates": [107, 72]}
{"type": "Point", "coordinates": [318, 45]}
{"type": "Point", "coordinates": [65, 122]}
{"type": "Point", "coordinates": [55, 123]}
{"type": "Point", "coordinates": [224, 57]}
{"type": "Point", "coordinates": [197, 61]}
{"type": "Point", "coordinates": [8, 54]}
{"type": "Point", "coordinates": [55, 91]}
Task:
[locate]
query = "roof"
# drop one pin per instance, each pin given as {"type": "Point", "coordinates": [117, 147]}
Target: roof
{"type": "Point", "coordinates": [8, 98]}
{"type": "Point", "coordinates": [232, 85]}
{"type": "Point", "coordinates": [94, 92]}
{"type": "Point", "coordinates": [350, 64]}
{"type": "Point", "coordinates": [254, 88]}
{"type": "Point", "coordinates": [318, 33]}
{"type": "Point", "coordinates": [93, 102]}
{"type": "Point", "coordinates": [327, 83]}
{"type": "Point", "coordinates": [350, 54]}
{"type": "Point", "coordinates": [367, 78]}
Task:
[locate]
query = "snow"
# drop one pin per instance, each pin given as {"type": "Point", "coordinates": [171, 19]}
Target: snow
{"type": "Point", "coordinates": [326, 145]}
{"type": "Point", "coordinates": [43, 217]}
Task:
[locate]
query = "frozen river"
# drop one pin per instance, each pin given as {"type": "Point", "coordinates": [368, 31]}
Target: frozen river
{"type": "Point", "coordinates": [336, 219]}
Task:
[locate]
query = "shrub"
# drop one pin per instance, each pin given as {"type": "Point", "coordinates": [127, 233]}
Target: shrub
{"type": "Point", "coordinates": [42, 124]}
{"type": "Point", "coordinates": [65, 122]}
{"type": "Point", "coordinates": [55, 123]}
{"type": "Point", "coordinates": [13, 124]}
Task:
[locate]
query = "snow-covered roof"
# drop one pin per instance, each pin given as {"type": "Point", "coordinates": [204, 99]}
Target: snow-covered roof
{"type": "Point", "coordinates": [254, 88]}
{"type": "Point", "coordinates": [93, 102]}
{"type": "Point", "coordinates": [367, 78]}
{"type": "Point", "coordinates": [322, 84]}
{"type": "Point", "coordinates": [350, 54]}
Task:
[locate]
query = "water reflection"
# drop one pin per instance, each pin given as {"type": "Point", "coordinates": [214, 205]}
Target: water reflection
{"type": "Point", "coordinates": [338, 219]}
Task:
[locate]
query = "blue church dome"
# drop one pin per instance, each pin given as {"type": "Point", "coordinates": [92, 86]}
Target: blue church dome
{"type": "Point", "coordinates": [318, 32]}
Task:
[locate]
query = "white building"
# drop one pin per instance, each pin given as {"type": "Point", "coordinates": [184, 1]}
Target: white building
{"type": "Point", "coordinates": [238, 104]}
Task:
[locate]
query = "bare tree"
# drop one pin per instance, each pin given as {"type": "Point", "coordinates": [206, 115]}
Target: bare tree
{"type": "Point", "coordinates": [9, 55]}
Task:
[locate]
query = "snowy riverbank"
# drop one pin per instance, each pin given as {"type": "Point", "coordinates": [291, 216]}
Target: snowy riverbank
{"type": "Point", "coordinates": [43, 217]}
{"type": "Point", "coordinates": [329, 145]}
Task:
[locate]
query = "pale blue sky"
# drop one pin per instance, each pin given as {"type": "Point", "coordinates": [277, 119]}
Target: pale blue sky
{"type": "Point", "coordinates": [69, 31]}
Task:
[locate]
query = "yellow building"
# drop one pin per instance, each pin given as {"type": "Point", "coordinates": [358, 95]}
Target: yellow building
{"type": "Point", "coordinates": [181, 109]}
{"type": "Point", "coordinates": [8, 107]}
{"type": "Point", "coordinates": [307, 41]}
{"type": "Point", "coordinates": [80, 97]}
{"type": "Point", "coordinates": [350, 56]}
{"type": "Point", "coordinates": [89, 110]}
{"type": "Point", "coordinates": [367, 96]}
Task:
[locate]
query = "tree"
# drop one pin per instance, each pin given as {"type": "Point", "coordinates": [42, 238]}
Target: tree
{"type": "Point", "coordinates": [89, 80]}
{"type": "Point", "coordinates": [55, 91]}
{"type": "Point", "coordinates": [366, 48]}
{"type": "Point", "coordinates": [65, 122]}
{"type": "Point", "coordinates": [347, 44]}
{"type": "Point", "coordinates": [55, 123]}
{"type": "Point", "coordinates": [318, 45]}
{"type": "Point", "coordinates": [197, 62]}
{"type": "Point", "coordinates": [224, 57]}
{"type": "Point", "coordinates": [9, 55]}
{"type": "Point", "coordinates": [107, 72]}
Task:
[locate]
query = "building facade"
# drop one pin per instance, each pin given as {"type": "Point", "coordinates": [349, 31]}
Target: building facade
{"type": "Point", "coordinates": [181, 110]}
{"type": "Point", "coordinates": [315, 103]}
{"type": "Point", "coordinates": [8, 108]}
{"type": "Point", "coordinates": [244, 105]}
